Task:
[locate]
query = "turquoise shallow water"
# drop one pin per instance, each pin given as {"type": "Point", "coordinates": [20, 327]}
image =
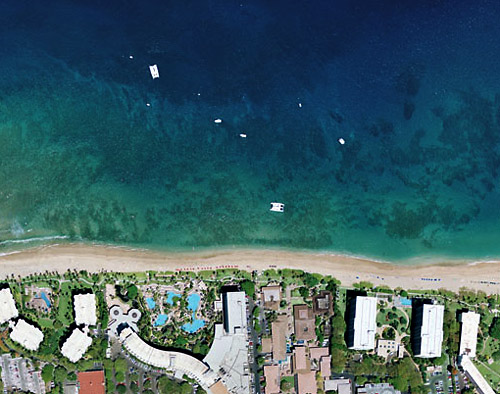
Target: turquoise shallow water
{"type": "Point", "coordinates": [414, 90]}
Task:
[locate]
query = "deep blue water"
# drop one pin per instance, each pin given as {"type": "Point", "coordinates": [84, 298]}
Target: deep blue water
{"type": "Point", "coordinates": [412, 87]}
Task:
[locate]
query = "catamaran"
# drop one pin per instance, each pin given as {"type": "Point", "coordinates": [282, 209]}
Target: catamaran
{"type": "Point", "coordinates": [277, 207]}
{"type": "Point", "coordinates": [154, 71]}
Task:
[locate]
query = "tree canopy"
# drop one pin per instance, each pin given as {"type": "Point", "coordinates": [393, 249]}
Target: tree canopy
{"type": "Point", "coordinates": [495, 328]}
{"type": "Point", "coordinates": [167, 385]}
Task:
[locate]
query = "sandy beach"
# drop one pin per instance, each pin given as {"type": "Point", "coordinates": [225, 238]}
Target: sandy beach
{"type": "Point", "coordinates": [483, 276]}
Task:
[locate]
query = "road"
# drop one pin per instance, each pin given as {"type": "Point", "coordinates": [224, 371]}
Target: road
{"type": "Point", "coordinates": [255, 339]}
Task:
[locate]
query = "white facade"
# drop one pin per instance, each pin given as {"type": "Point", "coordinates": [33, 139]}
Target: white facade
{"type": "Point", "coordinates": [431, 334]}
{"type": "Point", "coordinates": [85, 309]}
{"type": "Point", "coordinates": [8, 308]}
{"type": "Point", "coordinates": [173, 361]}
{"type": "Point", "coordinates": [26, 335]}
{"type": "Point", "coordinates": [228, 356]}
{"type": "Point", "coordinates": [474, 374]}
{"type": "Point", "coordinates": [365, 323]}
{"type": "Point", "coordinates": [468, 335]}
{"type": "Point", "coordinates": [235, 311]}
{"type": "Point", "coordinates": [76, 345]}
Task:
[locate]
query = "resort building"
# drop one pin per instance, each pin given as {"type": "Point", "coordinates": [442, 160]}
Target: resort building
{"type": "Point", "coordinates": [300, 360]}
{"type": "Point", "coordinates": [271, 296]}
{"type": "Point", "coordinates": [387, 347]}
{"type": "Point", "coordinates": [225, 368]}
{"type": "Point", "coordinates": [320, 356]}
{"type": "Point", "coordinates": [362, 323]}
{"type": "Point", "coordinates": [278, 329]}
{"type": "Point", "coordinates": [76, 345]}
{"type": "Point", "coordinates": [234, 311]}
{"type": "Point", "coordinates": [305, 328]}
{"type": "Point", "coordinates": [85, 309]}
{"type": "Point", "coordinates": [323, 303]}
{"type": "Point", "coordinates": [468, 334]}
{"type": "Point", "coordinates": [341, 385]}
{"type": "Point", "coordinates": [177, 362]}
{"type": "Point", "coordinates": [427, 334]}
{"type": "Point", "coordinates": [475, 376]}
{"type": "Point", "coordinates": [377, 388]}
{"type": "Point", "coordinates": [91, 382]}
{"type": "Point", "coordinates": [267, 344]}
{"type": "Point", "coordinates": [26, 335]}
{"type": "Point", "coordinates": [306, 383]}
{"type": "Point", "coordinates": [272, 375]}
{"type": "Point", "coordinates": [228, 356]}
{"type": "Point", "coordinates": [8, 308]}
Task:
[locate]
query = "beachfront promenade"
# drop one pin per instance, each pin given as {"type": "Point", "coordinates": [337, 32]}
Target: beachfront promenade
{"type": "Point", "coordinates": [484, 276]}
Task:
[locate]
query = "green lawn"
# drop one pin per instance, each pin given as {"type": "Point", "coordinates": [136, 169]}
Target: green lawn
{"type": "Point", "coordinates": [381, 317]}
{"type": "Point", "coordinates": [492, 378]}
{"type": "Point", "coordinates": [45, 323]}
{"type": "Point", "coordinates": [65, 305]}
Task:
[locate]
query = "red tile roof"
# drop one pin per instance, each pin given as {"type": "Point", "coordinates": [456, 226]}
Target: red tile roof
{"type": "Point", "coordinates": [91, 382]}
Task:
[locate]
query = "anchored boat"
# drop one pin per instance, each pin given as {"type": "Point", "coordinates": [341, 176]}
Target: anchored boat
{"type": "Point", "coordinates": [154, 71]}
{"type": "Point", "coordinates": [277, 207]}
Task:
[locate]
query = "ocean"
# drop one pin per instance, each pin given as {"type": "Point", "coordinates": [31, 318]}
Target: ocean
{"type": "Point", "coordinates": [94, 150]}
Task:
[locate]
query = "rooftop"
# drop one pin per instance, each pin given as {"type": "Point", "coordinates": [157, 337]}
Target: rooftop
{"type": "Point", "coordinates": [267, 345]}
{"type": "Point", "coordinates": [228, 357]}
{"type": "Point", "coordinates": [271, 295]}
{"type": "Point", "coordinates": [376, 388]}
{"type": "Point", "coordinates": [91, 382]}
{"type": "Point", "coordinates": [26, 335]}
{"type": "Point", "coordinates": [8, 308]}
{"type": "Point", "coordinates": [386, 346]}
{"type": "Point", "coordinates": [431, 331]}
{"type": "Point", "coordinates": [342, 385]}
{"type": "Point", "coordinates": [304, 323]}
{"type": "Point", "coordinates": [324, 366]}
{"type": "Point", "coordinates": [306, 383]}
{"type": "Point", "coordinates": [474, 374]}
{"type": "Point", "coordinates": [322, 303]}
{"type": "Point", "coordinates": [272, 374]}
{"type": "Point", "coordinates": [278, 330]}
{"type": "Point", "coordinates": [85, 309]}
{"type": "Point", "coordinates": [300, 359]}
{"type": "Point", "coordinates": [234, 311]}
{"type": "Point", "coordinates": [76, 345]}
{"type": "Point", "coordinates": [170, 360]}
{"type": "Point", "coordinates": [365, 324]}
{"type": "Point", "coordinates": [318, 352]}
{"type": "Point", "coordinates": [468, 335]}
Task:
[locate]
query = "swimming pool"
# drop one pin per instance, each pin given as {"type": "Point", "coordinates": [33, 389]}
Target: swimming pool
{"type": "Point", "coordinates": [151, 302]}
{"type": "Point", "coordinates": [170, 297]}
{"type": "Point", "coordinates": [46, 299]}
{"type": "Point", "coordinates": [160, 320]}
{"type": "Point", "coordinates": [196, 324]}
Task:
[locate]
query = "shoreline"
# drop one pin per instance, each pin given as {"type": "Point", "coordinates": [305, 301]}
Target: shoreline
{"type": "Point", "coordinates": [448, 274]}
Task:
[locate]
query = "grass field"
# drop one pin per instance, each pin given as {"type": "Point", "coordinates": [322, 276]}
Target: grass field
{"type": "Point", "coordinates": [491, 373]}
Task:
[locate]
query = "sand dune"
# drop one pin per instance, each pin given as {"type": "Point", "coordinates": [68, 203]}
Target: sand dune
{"type": "Point", "coordinates": [451, 275]}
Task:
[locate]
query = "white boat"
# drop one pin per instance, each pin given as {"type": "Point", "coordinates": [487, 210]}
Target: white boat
{"type": "Point", "coordinates": [154, 71]}
{"type": "Point", "coordinates": [242, 135]}
{"type": "Point", "coordinates": [341, 141]}
{"type": "Point", "coordinates": [277, 207]}
{"type": "Point", "coordinates": [218, 121]}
